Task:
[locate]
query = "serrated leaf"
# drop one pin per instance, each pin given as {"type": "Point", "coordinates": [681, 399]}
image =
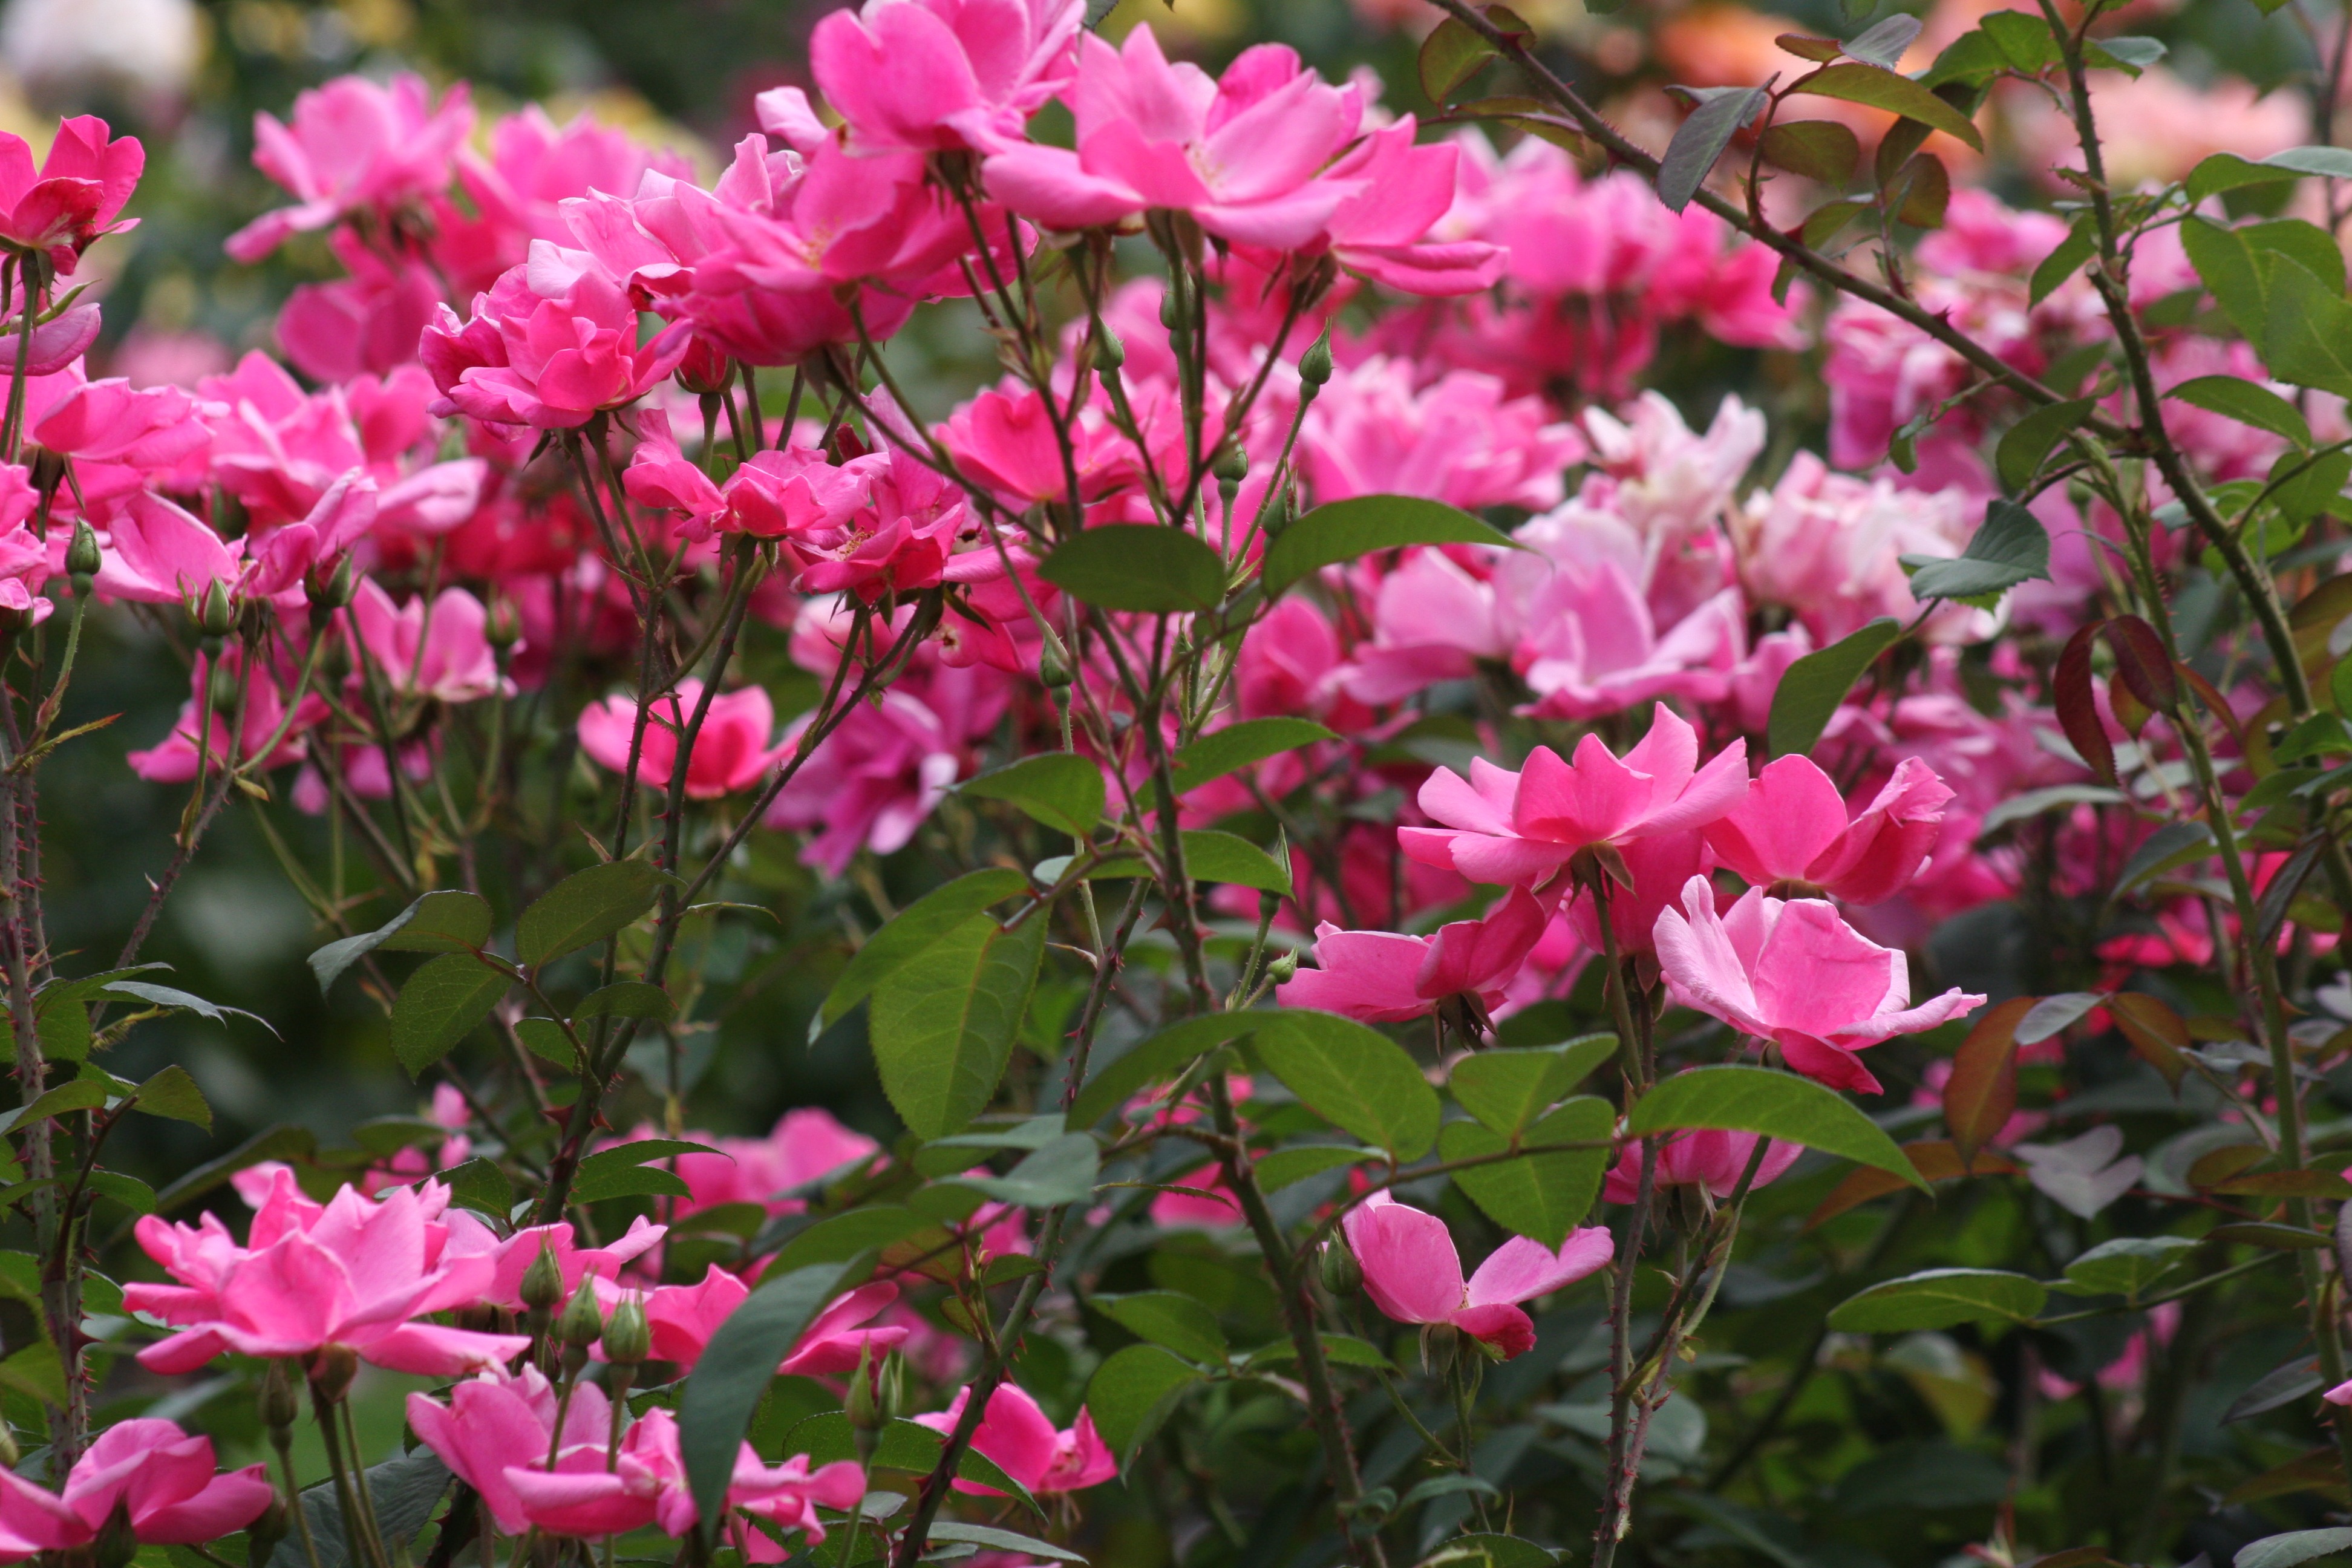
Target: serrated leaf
{"type": "Point", "coordinates": [716, 1407]}
{"type": "Point", "coordinates": [1061, 1172]}
{"type": "Point", "coordinates": [2308, 332]}
{"type": "Point", "coordinates": [1211, 856]}
{"type": "Point", "coordinates": [439, 1006]}
{"type": "Point", "coordinates": [1819, 150]}
{"type": "Point", "coordinates": [121, 1187]}
{"type": "Point", "coordinates": [2061, 264]}
{"type": "Point", "coordinates": [1132, 1393]}
{"type": "Point", "coordinates": [2126, 1265]}
{"type": "Point", "coordinates": [1168, 1318]}
{"type": "Point", "coordinates": [1811, 688]}
{"type": "Point", "coordinates": [943, 1029]}
{"type": "Point", "coordinates": [75, 1094]}
{"type": "Point", "coordinates": [172, 1093]}
{"type": "Point", "coordinates": [1342, 530]}
{"type": "Point", "coordinates": [1146, 568]}
{"type": "Point", "coordinates": [1354, 1078]}
{"type": "Point", "coordinates": [1940, 1299]}
{"type": "Point", "coordinates": [2027, 444]}
{"type": "Point", "coordinates": [444, 921]}
{"type": "Point", "coordinates": [911, 930]}
{"type": "Point", "coordinates": [1060, 790]}
{"type": "Point", "coordinates": [996, 1540]}
{"type": "Point", "coordinates": [1883, 44]}
{"type": "Point", "coordinates": [2295, 1546]}
{"type": "Point", "coordinates": [1543, 1196]}
{"type": "Point", "coordinates": [2174, 844]}
{"type": "Point", "coordinates": [1856, 82]}
{"type": "Point", "coordinates": [1736, 1098]}
{"type": "Point", "coordinates": [1452, 54]}
{"type": "Point", "coordinates": [2012, 547]}
{"type": "Point", "coordinates": [1163, 1055]}
{"type": "Point", "coordinates": [1700, 139]}
{"type": "Point", "coordinates": [1286, 1167]}
{"type": "Point", "coordinates": [587, 906]}
{"type": "Point", "coordinates": [1506, 1089]}
{"type": "Point", "coordinates": [1239, 745]}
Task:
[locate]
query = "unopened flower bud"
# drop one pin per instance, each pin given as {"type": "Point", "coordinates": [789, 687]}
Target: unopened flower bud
{"type": "Point", "coordinates": [1052, 669]}
{"type": "Point", "coordinates": [9, 1456]}
{"type": "Point", "coordinates": [628, 1338]}
{"type": "Point", "coordinates": [278, 1404]}
{"type": "Point", "coordinates": [332, 1367]}
{"type": "Point", "coordinates": [1171, 313]}
{"type": "Point", "coordinates": [81, 556]}
{"type": "Point", "coordinates": [1440, 1344]}
{"type": "Point", "coordinates": [1280, 970]}
{"type": "Point", "coordinates": [341, 588]}
{"type": "Point", "coordinates": [705, 370]}
{"type": "Point", "coordinates": [503, 629]}
{"type": "Point", "coordinates": [1109, 353]}
{"type": "Point", "coordinates": [1231, 465]}
{"type": "Point", "coordinates": [213, 616]}
{"type": "Point", "coordinates": [1342, 1274]}
{"type": "Point", "coordinates": [582, 1323]}
{"type": "Point", "coordinates": [1314, 364]}
{"type": "Point", "coordinates": [117, 1540]}
{"type": "Point", "coordinates": [863, 1408]}
{"type": "Point", "coordinates": [542, 1282]}
{"type": "Point", "coordinates": [264, 1533]}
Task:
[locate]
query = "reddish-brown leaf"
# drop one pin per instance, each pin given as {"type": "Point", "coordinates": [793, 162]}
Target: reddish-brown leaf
{"type": "Point", "coordinates": [2220, 1164]}
{"type": "Point", "coordinates": [2078, 710]}
{"type": "Point", "coordinates": [2318, 1471]}
{"type": "Point", "coordinates": [2215, 704]}
{"type": "Point", "coordinates": [1934, 1158]}
{"type": "Point", "coordinates": [1982, 1094]}
{"type": "Point", "coordinates": [2142, 664]}
{"type": "Point", "coordinates": [2155, 1031]}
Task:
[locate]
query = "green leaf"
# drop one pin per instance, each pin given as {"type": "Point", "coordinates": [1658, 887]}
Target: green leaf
{"type": "Point", "coordinates": [1450, 56]}
{"type": "Point", "coordinates": [911, 930]}
{"type": "Point", "coordinates": [1506, 1089]}
{"type": "Point", "coordinates": [446, 921]}
{"type": "Point", "coordinates": [1062, 791]}
{"type": "Point", "coordinates": [545, 1039]}
{"type": "Point", "coordinates": [185, 1001]}
{"type": "Point", "coordinates": [2059, 264]}
{"type": "Point", "coordinates": [2227, 170]}
{"type": "Point", "coordinates": [172, 1093]}
{"type": "Point", "coordinates": [2130, 53]}
{"type": "Point", "coordinates": [1811, 688]}
{"type": "Point", "coordinates": [64, 1026]}
{"type": "Point", "coordinates": [1163, 1055]}
{"type": "Point", "coordinates": [1132, 1392]}
{"type": "Point", "coordinates": [440, 1006]}
{"type": "Point", "coordinates": [479, 1185]}
{"type": "Point", "coordinates": [2027, 444]}
{"type": "Point", "coordinates": [2248, 403]}
{"type": "Point", "coordinates": [625, 1170]}
{"type": "Point", "coordinates": [77, 1094]}
{"type": "Point", "coordinates": [405, 1492]}
{"type": "Point", "coordinates": [1939, 1298]}
{"type": "Point", "coordinates": [1354, 1078]}
{"type": "Point", "coordinates": [1489, 1550]}
{"type": "Point", "coordinates": [1144, 567]}
{"type": "Point", "coordinates": [1237, 746]}
{"type": "Point", "coordinates": [1739, 1099]}
{"type": "Point", "coordinates": [1543, 1196]}
{"type": "Point", "coordinates": [943, 1028]}
{"type": "Point", "coordinates": [716, 1408]}
{"type": "Point", "coordinates": [1700, 139]}
{"type": "Point", "coordinates": [1062, 1172]}
{"type": "Point", "coordinates": [2172, 845]}
{"type": "Point", "coordinates": [125, 1189]}
{"type": "Point", "coordinates": [587, 906]}
{"type": "Point", "coordinates": [2225, 264]}
{"type": "Point", "coordinates": [1168, 1318]}
{"type": "Point", "coordinates": [2307, 335]}
{"type": "Point", "coordinates": [626, 999]}
{"type": "Point", "coordinates": [840, 1237]}
{"type": "Point", "coordinates": [1214, 857]}
{"type": "Point", "coordinates": [2011, 547]}
{"type": "Point", "coordinates": [1819, 150]}
{"type": "Point", "coordinates": [1285, 1167]}
{"type": "Point", "coordinates": [1882, 43]}
{"type": "Point", "coordinates": [2024, 41]}
{"type": "Point", "coordinates": [2127, 1266]}
{"type": "Point", "coordinates": [2295, 1546]}
{"type": "Point", "coordinates": [1344, 530]}
{"type": "Point", "coordinates": [997, 1540]}
{"type": "Point", "coordinates": [1854, 82]}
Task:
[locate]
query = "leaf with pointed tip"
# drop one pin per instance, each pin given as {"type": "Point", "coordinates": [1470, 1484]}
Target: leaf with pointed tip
{"type": "Point", "coordinates": [1344, 530]}
{"type": "Point", "coordinates": [1700, 139]}
{"type": "Point", "coordinates": [1736, 1098]}
{"type": "Point", "coordinates": [1812, 688]}
{"type": "Point", "coordinates": [1857, 83]}
{"type": "Point", "coordinates": [1146, 568]}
